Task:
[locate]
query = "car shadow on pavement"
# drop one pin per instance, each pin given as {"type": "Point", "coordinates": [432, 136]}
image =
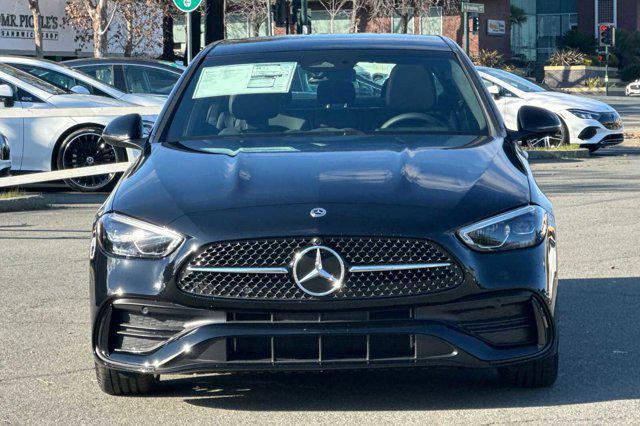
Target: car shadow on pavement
{"type": "Point", "coordinates": [599, 361]}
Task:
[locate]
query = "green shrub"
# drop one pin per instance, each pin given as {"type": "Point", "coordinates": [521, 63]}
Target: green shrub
{"type": "Point", "coordinates": [488, 58]}
{"type": "Point", "coordinates": [627, 51]}
{"type": "Point", "coordinates": [593, 83]}
{"type": "Point", "coordinates": [576, 40]}
{"type": "Point", "coordinates": [567, 57]}
{"type": "Point", "coordinates": [630, 73]}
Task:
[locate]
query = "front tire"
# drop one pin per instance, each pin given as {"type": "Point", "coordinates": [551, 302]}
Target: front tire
{"type": "Point", "coordinates": [560, 138]}
{"type": "Point", "coordinates": [116, 383]}
{"type": "Point", "coordinates": [85, 147]}
{"type": "Point", "coordinates": [534, 374]}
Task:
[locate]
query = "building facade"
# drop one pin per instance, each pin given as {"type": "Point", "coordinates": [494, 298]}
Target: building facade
{"type": "Point", "coordinates": [623, 13]}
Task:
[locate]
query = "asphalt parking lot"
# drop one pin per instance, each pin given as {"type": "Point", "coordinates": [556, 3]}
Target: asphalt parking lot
{"type": "Point", "coordinates": [46, 366]}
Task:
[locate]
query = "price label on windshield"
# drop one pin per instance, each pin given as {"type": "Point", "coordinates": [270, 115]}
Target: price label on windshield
{"type": "Point", "coordinates": [245, 79]}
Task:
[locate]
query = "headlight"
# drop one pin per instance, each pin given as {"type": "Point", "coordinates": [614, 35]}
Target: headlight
{"type": "Point", "coordinates": [128, 237]}
{"type": "Point", "coordinates": [520, 228]}
{"type": "Point", "coordinates": [584, 114]}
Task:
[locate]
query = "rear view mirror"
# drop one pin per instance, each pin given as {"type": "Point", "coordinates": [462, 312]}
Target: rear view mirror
{"type": "Point", "coordinates": [125, 132]}
{"type": "Point", "coordinates": [6, 95]}
{"type": "Point", "coordinates": [80, 90]}
{"type": "Point", "coordinates": [536, 122]}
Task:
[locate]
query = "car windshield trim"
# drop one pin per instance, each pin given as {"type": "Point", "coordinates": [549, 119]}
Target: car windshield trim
{"type": "Point", "coordinates": [32, 80]}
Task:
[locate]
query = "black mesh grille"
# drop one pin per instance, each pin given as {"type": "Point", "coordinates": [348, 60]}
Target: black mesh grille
{"type": "Point", "coordinates": [354, 250]}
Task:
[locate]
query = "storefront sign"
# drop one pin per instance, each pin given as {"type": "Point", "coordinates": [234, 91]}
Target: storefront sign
{"type": "Point", "coordinates": [496, 27]}
{"type": "Point", "coordinates": [16, 28]}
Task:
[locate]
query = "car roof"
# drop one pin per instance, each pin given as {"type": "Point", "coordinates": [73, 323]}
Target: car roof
{"type": "Point", "coordinates": [328, 42]}
{"type": "Point", "coordinates": [124, 61]}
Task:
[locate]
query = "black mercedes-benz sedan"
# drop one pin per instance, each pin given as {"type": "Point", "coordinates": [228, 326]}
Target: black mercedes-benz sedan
{"type": "Point", "coordinates": [326, 202]}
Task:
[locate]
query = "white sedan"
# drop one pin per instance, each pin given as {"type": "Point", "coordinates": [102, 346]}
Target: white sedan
{"type": "Point", "coordinates": [590, 123]}
{"type": "Point", "coordinates": [632, 88]}
{"type": "Point", "coordinates": [50, 129]}
{"type": "Point", "coordinates": [67, 78]}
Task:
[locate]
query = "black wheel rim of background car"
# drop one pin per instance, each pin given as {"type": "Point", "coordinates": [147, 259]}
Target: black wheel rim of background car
{"type": "Point", "coordinates": [88, 149]}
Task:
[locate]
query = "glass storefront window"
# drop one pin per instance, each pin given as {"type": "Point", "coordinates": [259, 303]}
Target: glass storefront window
{"type": "Point", "coordinates": [431, 21]}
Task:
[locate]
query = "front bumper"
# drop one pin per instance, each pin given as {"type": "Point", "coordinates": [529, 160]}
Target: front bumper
{"type": "Point", "coordinates": [486, 330]}
{"type": "Point", "coordinates": [502, 313]}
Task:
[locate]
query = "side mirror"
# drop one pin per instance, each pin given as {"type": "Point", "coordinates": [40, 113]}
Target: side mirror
{"type": "Point", "coordinates": [80, 90]}
{"type": "Point", "coordinates": [6, 95]}
{"type": "Point", "coordinates": [125, 132]}
{"type": "Point", "coordinates": [494, 90]}
{"type": "Point", "coordinates": [536, 122]}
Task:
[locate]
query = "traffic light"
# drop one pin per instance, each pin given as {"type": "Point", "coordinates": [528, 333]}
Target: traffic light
{"type": "Point", "coordinates": [607, 35]}
{"type": "Point", "coordinates": [475, 24]}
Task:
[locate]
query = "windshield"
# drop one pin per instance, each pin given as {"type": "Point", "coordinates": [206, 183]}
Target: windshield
{"type": "Point", "coordinates": [333, 92]}
{"type": "Point", "coordinates": [32, 80]}
{"type": "Point", "coordinates": [513, 80]}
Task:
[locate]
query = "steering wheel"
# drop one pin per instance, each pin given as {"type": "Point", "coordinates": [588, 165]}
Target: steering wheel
{"type": "Point", "coordinates": [393, 121]}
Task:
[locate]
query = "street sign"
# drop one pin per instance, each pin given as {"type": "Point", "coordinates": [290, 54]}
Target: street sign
{"type": "Point", "coordinates": [187, 5]}
{"type": "Point", "coordinates": [472, 7]}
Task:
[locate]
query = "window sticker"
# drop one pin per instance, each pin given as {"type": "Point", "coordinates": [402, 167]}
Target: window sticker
{"type": "Point", "coordinates": [245, 79]}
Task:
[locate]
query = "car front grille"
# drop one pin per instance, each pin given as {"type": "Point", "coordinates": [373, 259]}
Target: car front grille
{"type": "Point", "coordinates": [355, 251]}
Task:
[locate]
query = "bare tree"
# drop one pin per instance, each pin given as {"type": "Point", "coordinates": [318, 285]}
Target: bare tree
{"type": "Point", "coordinates": [91, 19]}
{"type": "Point", "coordinates": [34, 7]}
{"type": "Point", "coordinates": [333, 8]}
{"type": "Point", "coordinates": [357, 7]}
{"type": "Point", "coordinates": [254, 12]}
{"type": "Point", "coordinates": [139, 18]}
{"type": "Point", "coordinates": [383, 10]}
{"type": "Point", "coordinates": [405, 10]}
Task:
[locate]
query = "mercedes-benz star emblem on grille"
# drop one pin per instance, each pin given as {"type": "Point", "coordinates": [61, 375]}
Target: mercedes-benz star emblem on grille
{"type": "Point", "coordinates": [318, 212]}
{"type": "Point", "coordinates": [318, 270]}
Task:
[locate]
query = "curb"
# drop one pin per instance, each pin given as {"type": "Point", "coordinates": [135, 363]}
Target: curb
{"type": "Point", "coordinates": [23, 203]}
{"type": "Point", "coordinates": [558, 155]}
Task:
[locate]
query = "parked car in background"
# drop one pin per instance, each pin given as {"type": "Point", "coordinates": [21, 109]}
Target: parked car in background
{"type": "Point", "coordinates": [632, 88]}
{"type": "Point", "coordinates": [67, 78]}
{"type": "Point", "coordinates": [5, 156]}
{"type": "Point", "coordinates": [588, 122]}
{"type": "Point", "coordinates": [50, 128]}
{"type": "Point", "coordinates": [134, 76]}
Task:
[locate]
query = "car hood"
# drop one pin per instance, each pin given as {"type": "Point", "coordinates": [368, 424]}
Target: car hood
{"type": "Point", "coordinates": [560, 101]}
{"type": "Point", "coordinates": [85, 101]}
{"type": "Point", "coordinates": [365, 184]}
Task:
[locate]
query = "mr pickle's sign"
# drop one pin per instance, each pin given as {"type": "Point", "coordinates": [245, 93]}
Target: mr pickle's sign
{"type": "Point", "coordinates": [20, 26]}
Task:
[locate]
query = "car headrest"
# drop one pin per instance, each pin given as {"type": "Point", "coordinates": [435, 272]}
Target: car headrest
{"type": "Point", "coordinates": [410, 88]}
{"type": "Point", "coordinates": [255, 108]}
{"type": "Point", "coordinates": [336, 92]}
{"type": "Point", "coordinates": [218, 106]}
